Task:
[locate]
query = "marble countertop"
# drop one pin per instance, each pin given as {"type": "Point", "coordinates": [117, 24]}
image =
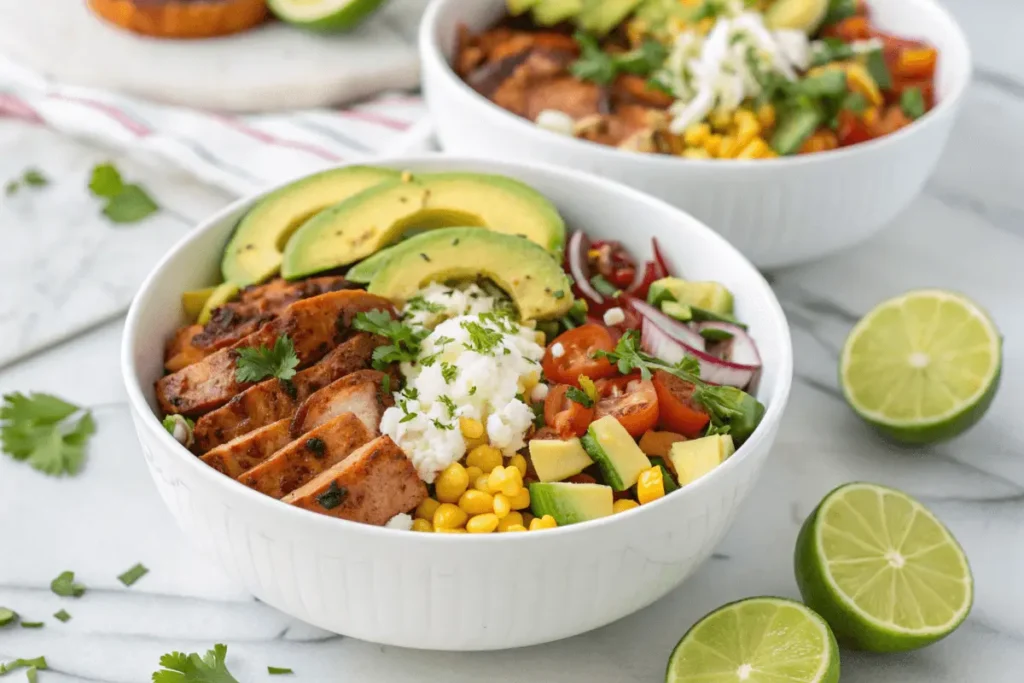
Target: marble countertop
{"type": "Point", "coordinates": [966, 232]}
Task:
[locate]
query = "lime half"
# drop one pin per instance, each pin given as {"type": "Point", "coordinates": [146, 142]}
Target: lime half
{"type": "Point", "coordinates": [758, 640]}
{"type": "Point", "coordinates": [884, 572]}
{"type": "Point", "coordinates": [922, 367]}
{"type": "Point", "coordinates": [324, 15]}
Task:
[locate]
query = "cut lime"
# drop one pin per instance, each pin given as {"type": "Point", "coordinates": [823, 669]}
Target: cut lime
{"type": "Point", "coordinates": [324, 15]}
{"type": "Point", "coordinates": [757, 640]}
{"type": "Point", "coordinates": [884, 572]}
{"type": "Point", "coordinates": [922, 367]}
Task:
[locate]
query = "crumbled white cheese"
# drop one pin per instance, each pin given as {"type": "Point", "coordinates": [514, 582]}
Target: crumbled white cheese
{"type": "Point", "coordinates": [474, 366]}
{"type": "Point", "coordinates": [614, 316]}
{"type": "Point", "coordinates": [400, 521]}
{"type": "Point", "coordinates": [557, 350]}
{"type": "Point", "coordinates": [539, 393]}
{"type": "Point", "coordinates": [436, 303]}
{"type": "Point", "coordinates": [556, 121]}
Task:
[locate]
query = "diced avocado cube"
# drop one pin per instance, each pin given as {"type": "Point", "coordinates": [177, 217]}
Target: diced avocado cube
{"type": "Point", "coordinates": [693, 459]}
{"type": "Point", "coordinates": [710, 296]}
{"type": "Point", "coordinates": [666, 475]}
{"type": "Point", "coordinates": [658, 293]}
{"type": "Point", "coordinates": [555, 460]}
{"type": "Point", "coordinates": [570, 503]}
{"type": "Point", "coordinates": [676, 310]}
{"type": "Point", "coordinates": [613, 449]}
{"type": "Point", "coordinates": [517, 7]}
{"type": "Point", "coordinates": [551, 12]}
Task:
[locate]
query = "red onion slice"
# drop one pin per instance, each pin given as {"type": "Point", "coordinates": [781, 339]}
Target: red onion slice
{"type": "Point", "coordinates": [742, 349]}
{"type": "Point", "coordinates": [662, 346]}
{"type": "Point", "coordinates": [675, 329]}
{"type": "Point", "coordinates": [576, 254]}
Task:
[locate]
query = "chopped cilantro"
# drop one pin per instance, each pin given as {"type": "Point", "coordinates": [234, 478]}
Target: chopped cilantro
{"type": "Point", "coordinates": [442, 426]}
{"type": "Point", "coordinates": [448, 372]}
{"type": "Point", "coordinates": [579, 396]}
{"type": "Point", "coordinates": [408, 417]}
{"type": "Point", "coordinates": [133, 574]}
{"type": "Point", "coordinates": [405, 340]}
{"type": "Point", "coordinates": [37, 663]}
{"type": "Point", "coordinates": [106, 180]}
{"type": "Point", "coordinates": [472, 390]}
{"type": "Point", "coordinates": [855, 102]}
{"type": "Point", "coordinates": [34, 178]}
{"type": "Point", "coordinates": [333, 497]}
{"type": "Point", "coordinates": [278, 670]}
{"type": "Point", "coordinates": [256, 364]}
{"type": "Point", "coordinates": [878, 69]}
{"type": "Point", "coordinates": [65, 586]}
{"type": "Point", "coordinates": [448, 403]}
{"type": "Point", "coordinates": [912, 103]}
{"type": "Point", "coordinates": [594, 64]}
{"type": "Point", "coordinates": [418, 303]}
{"type": "Point", "coordinates": [178, 667]}
{"type": "Point", "coordinates": [62, 616]}
{"type": "Point", "coordinates": [412, 393]}
{"type": "Point", "coordinates": [125, 203]}
{"type": "Point", "coordinates": [482, 340]}
{"type": "Point", "coordinates": [38, 428]}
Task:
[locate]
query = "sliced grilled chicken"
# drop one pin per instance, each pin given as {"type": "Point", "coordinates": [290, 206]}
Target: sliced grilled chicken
{"type": "Point", "coordinates": [180, 351]}
{"type": "Point", "coordinates": [242, 454]}
{"type": "Point", "coordinates": [314, 325]}
{"type": "Point", "coordinates": [306, 457]}
{"type": "Point", "coordinates": [273, 400]}
{"type": "Point", "coordinates": [370, 486]}
{"type": "Point", "coordinates": [360, 393]}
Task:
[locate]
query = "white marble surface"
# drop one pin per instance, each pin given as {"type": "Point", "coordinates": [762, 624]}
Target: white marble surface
{"type": "Point", "coordinates": [966, 232]}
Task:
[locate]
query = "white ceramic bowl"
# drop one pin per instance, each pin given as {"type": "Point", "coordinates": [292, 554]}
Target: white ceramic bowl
{"type": "Point", "coordinates": [777, 212]}
{"type": "Point", "coordinates": [437, 591]}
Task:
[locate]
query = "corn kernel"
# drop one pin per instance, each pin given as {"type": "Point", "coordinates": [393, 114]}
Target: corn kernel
{"type": "Point", "coordinates": [651, 485]}
{"type": "Point", "coordinates": [755, 149]}
{"type": "Point", "coordinates": [729, 147]}
{"type": "Point", "coordinates": [859, 79]}
{"type": "Point", "coordinates": [473, 473]}
{"type": "Point", "coordinates": [471, 429]}
{"type": "Point", "coordinates": [720, 120]}
{"type": "Point", "coordinates": [451, 483]}
{"type": "Point", "coordinates": [482, 524]}
{"type": "Point", "coordinates": [521, 500]}
{"type": "Point", "coordinates": [427, 508]}
{"type": "Point", "coordinates": [530, 381]}
{"type": "Point", "coordinates": [766, 115]}
{"type": "Point", "coordinates": [511, 519]}
{"type": "Point", "coordinates": [696, 153]}
{"type": "Point", "coordinates": [480, 483]}
{"type": "Point", "coordinates": [696, 134]}
{"type": "Point", "coordinates": [746, 130]}
{"type": "Point", "coordinates": [713, 145]}
{"type": "Point", "coordinates": [450, 531]}
{"type": "Point", "coordinates": [485, 457]}
{"type": "Point", "coordinates": [870, 117]}
{"type": "Point", "coordinates": [475, 502]}
{"type": "Point", "coordinates": [513, 484]}
{"type": "Point", "coordinates": [540, 338]}
{"type": "Point", "coordinates": [545, 522]}
{"type": "Point", "coordinates": [502, 505]}
{"type": "Point", "coordinates": [449, 516]}
{"type": "Point", "coordinates": [516, 527]}
{"type": "Point", "coordinates": [422, 525]}
{"type": "Point", "coordinates": [519, 462]}
{"type": "Point", "coordinates": [623, 504]}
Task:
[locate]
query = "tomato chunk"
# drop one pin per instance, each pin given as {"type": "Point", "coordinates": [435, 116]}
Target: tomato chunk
{"type": "Point", "coordinates": [577, 349]}
{"type": "Point", "coordinates": [679, 412]}
{"type": "Point", "coordinates": [567, 417]}
{"type": "Point", "coordinates": [630, 400]}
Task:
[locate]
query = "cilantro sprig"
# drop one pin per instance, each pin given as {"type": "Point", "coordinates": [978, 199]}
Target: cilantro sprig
{"type": "Point", "coordinates": [178, 667]}
{"type": "Point", "coordinates": [594, 64]}
{"type": "Point", "coordinates": [256, 364]}
{"type": "Point", "coordinates": [32, 177]}
{"type": "Point", "coordinates": [405, 341]}
{"type": "Point", "coordinates": [42, 430]}
{"type": "Point", "coordinates": [31, 664]}
{"type": "Point", "coordinates": [125, 202]}
{"type": "Point", "coordinates": [66, 586]}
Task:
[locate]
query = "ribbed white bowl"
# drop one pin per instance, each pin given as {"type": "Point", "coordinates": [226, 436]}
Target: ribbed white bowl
{"type": "Point", "coordinates": [437, 591]}
{"type": "Point", "coordinates": [777, 212]}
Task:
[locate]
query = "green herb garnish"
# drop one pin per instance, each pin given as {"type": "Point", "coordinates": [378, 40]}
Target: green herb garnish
{"type": "Point", "coordinates": [37, 663]}
{"type": "Point", "coordinates": [603, 286]}
{"type": "Point", "coordinates": [855, 102]}
{"type": "Point", "coordinates": [37, 428]}
{"type": "Point", "coordinates": [133, 574]}
{"type": "Point", "coordinates": [125, 203]}
{"type": "Point", "coordinates": [62, 616]}
{"type": "Point", "coordinates": [579, 396]}
{"type": "Point", "coordinates": [912, 103]}
{"type": "Point", "coordinates": [448, 372]}
{"type": "Point", "coordinates": [405, 340]}
{"type": "Point", "coordinates": [178, 667]}
{"type": "Point", "coordinates": [482, 340]}
{"type": "Point", "coordinates": [256, 364]}
{"type": "Point", "coordinates": [278, 670]}
{"type": "Point", "coordinates": [598, 66]}
{"type": "Point", "coordinates": [839, 10]}
{"type": "Point", "coordinates": [65, 586]}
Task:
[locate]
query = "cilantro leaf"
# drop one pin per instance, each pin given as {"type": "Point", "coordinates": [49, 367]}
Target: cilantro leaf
{"type": "Point", "coordinates": [65, 586]}
{"type": "Point", "coordinates": [37, 663]}
{"type": "Point", "coordinates": [130, 206]}
{"type": "Point", "coordinates": [178, 667]}
{"type": "Point", "coordinates": [255, 364]}
{"type": "Point", "coordinates": [482, 340]}
{"type": "Point", "coordinates": [912, 103]}
{"type": "Point", "coordinates": [133, 574]}
{"type": "Point", "coordinates": [594, 64]}
{"type": "Point", "coordinates": [405, 340]}
{"type": "Point", "coordinates": [34, 178]}
{"type": "Point", "coordinates": [277, 670]}
{"type": "Point", "coordinates": [36, 428]}
{"type": "Point", "coordinates": [449, 404]}
{"type": "Point", "coordinates": [106, 181]}
{"type": "Point", "coordinates": [448, 372]}
{"type": "Point", "coordinates": [579, 396]}
{"type": "Point", "coordinates": [62, 616]}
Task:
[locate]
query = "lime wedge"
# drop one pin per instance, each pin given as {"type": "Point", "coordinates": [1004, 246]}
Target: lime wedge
{"type": "Point", "coordinates": [922, 367]}
{"type": "Point", "coordinates": [884, 572]}
{"type": "Point", "coordinates": [757, 640]}
{"type": "Point", "coordinates": [324, 15]}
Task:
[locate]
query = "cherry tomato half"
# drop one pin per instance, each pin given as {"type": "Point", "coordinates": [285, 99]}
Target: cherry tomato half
{"type": "Point", "coordinates": [565, 416]}
{"type": "Point", "coordinates": [679, 412]}
{"type": "Point", "coordinates": [578, 347]}
{"type": "Point", "coordinates": [630, 400]}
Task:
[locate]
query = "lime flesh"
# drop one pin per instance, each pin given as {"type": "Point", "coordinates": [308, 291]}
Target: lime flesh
{"type": "Point", "coordinates": [882, 570]}
{"type": "Point", "coordinates": [324, 15]}
{"type": "Point", "coordinates": [922, 367]}
{"type": "Point", "coordinates": [758, 640]}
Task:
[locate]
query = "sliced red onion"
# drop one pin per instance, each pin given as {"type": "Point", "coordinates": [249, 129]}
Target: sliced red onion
{"type": "Point", "coordinates": [673, 328]}
{"type": "Point", "coordinates": [742, 349]}
{"type": "Point", "coordinates": [659, 344]}
{"type": "Point", "coordinates": [576, 253]}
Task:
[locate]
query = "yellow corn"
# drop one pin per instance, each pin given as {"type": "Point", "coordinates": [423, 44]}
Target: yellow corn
{"type": "Point", "coordinates": [540, 338]}
{"type": "Point", "coordinates": [729, 147]}
{"type": "Point", "coordinates": [713, 145]}
{"type": "Point", "coordinates": [473, 473]}
{"type": "Point", "coordinates": [485, 457]}
{"type": "Point", "coordinates": [449, 516]}
{"type": "Point", "coordinates": [521, 500]}
{"type": "Point", "coordinates": [745, 117]}
{"type": "Point", "coordinates": [475, 502]}
{"type": "Point", "coordinates": [519, 462]}
{"type": "Point", "coordinates": [747, 128]}
{"type": "Point", "coordinates": [482, 524]}
{"type": "Point", "coordinates": [530, 381]}
{"type": "Point", "coordinates": [755, 149]}
{"type": "Point", "coordinates": [471, 429]}
{"type": "Point", "coordinates": [870, 116]}
{"type": "Point", "coordinates": [696, 153]}
{"type": "Point", "coordinates": [651, 485]}
{"type": "Point", "coordinates": [427, 508]}
{"type": "Point", "coordinates": [450, 531]}
{"type": "Point", "coordinates": [720, 120]}
{"type": "Point", "coordinates": [516, 527]}
{"type": "Point", "coordinates": [480, 483]}
{"type": "Point", "coordinates": [696, 134]}
{"type": "Point", "coordinates": [545, 522]}
{"type": "Point", "coordinates": [502, 505]}
{"type": "Point", "coordinates": [766, 115]}
{"type": "Point", "coordinates": [451, 483]}
{"type": "Point", "coordinates": [705, 25]}
{"type": "Point", "coordinates": [623, 504]}
{"type": "Point", "coordinates": [859, 80]}
{"type": "Point", "coordinates": [511, 519]}
{"type": "Point", "coordinates": [422, 525]}
{"type": "Point", "coordinates": [505, 480]}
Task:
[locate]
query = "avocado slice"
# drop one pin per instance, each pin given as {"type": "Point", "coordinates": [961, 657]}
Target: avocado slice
{"type": "Point", "coordinates": [517, 7]}
{"type": "Point", "coordinates": [613, 449]}
{"type": "Point", "coordinates": [526, 272]}
{"type": "Point", "coordinates": [555, 460]}
{"type": "Point", "coordinates": [193, 301]}
{"type": "Point", "coordinates": [693, 459]}
{"type": "Point", "coordinates": [221, 294]}
{"type": "Point", "coordinates": [364, 271]}
{"type": "Point", "coordinates": [570, 503]}
{"type": "Point", "coordinates": [254, 252]}
{"type": "Point", "coordinates": [551, 12]}
{"type": "Point", "coordinates": [355, 229]}
{"type": "Point", "coordinates": [674, 309]}
{"type": "Point", "coordinates": [601, 16]}
{"type": "Point", "coordinates": [709, 296]}
{"type": "Point", "coordinates": [799, 15]}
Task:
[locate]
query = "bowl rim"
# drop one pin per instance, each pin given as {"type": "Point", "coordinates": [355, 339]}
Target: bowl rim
{"type": "Point", "coordinates": [133, 337]}
{"type": "Point", "coordinates": [432, 55]}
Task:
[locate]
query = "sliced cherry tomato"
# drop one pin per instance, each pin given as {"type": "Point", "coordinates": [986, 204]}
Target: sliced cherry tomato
{"type": "Point", "coordinates": [565, 416]}
{"type": "Point", "coordinates": [679, 413]}
{"type": "Point", "coordinates": [630, 400]}
{"type": "Point", "coordinates": [851, 129]}
{"type": "Point", "coordinates": [578, 347]}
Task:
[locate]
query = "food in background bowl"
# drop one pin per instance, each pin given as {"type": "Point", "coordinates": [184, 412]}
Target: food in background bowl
{"type": "Point", "coordinates": [182, 18]}
{"type": "Point", "coordinates": [702, 79]}
{"type": "Point", "coordinates": [476, 379]}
